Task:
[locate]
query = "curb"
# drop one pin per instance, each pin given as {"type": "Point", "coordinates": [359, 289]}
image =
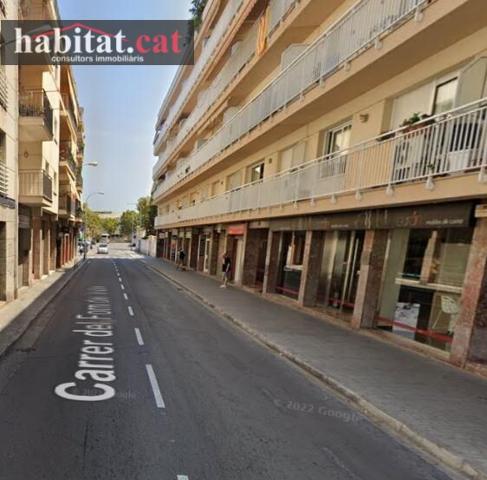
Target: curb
{"type": "Point", "coordinates": [24, 319]}
{"type": "Point", "coordinates": [375, 414]}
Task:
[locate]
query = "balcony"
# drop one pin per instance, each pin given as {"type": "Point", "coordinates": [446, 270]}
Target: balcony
{"type": "Point", "coordinates": [66, 157]}
{"type": "Point", "coordinates": [35, 188]}
{"type": "Point", "coordinates": [67, 207]}
{"type": "Point", "coordinates": [221, 28]}
{"type": "Point", "coordinates": [358, 30]}
{"type": "Point", "coordinates": [450, 144]}
{"type": "Point", "coordinates": [36, 117]}
{"type": "Point", "coordinates": [69, 110]}
{"type": "Point", "coordinates": [3, 88]}
{"type": "Point", "coordinates": [79, 180]}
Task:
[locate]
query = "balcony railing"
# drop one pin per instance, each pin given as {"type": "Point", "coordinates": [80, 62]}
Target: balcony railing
{"type": "Point", "coordinates": [66, 155]}
{"type": "Point", "coordinates": [278, 9]}
{"type": "Point", "coordinates": [3, 179]}
{"type": "Point", "coordinates": [34, 103]}
{"type": "Point", "coordinates": [35, 183]}
{"type": "Point", "coordinates": [67, 204]}
{"type": "Point", "coordinates": [355, 32]}
{"type": "Point", "coordinates": [447, 144]}
{"type": "Point", "coordinates": [217, 34]}
{"type": "Point", "coordinates": [3, 88]}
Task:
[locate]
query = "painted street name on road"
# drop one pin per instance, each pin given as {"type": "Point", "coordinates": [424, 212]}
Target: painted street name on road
{"type": "Point", "coordinates": [96, 369]}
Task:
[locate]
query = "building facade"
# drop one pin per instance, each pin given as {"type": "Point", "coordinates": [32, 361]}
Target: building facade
{"type": "Point", "coordinates": [338, 154]}
{"type": "Point", "coordinates": [41, 159]}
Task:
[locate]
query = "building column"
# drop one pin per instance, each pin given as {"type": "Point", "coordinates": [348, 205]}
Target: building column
{"type": "Point", "coordinates": [368, 289]}
{"type": "Point", "coordinates": [37, 247]}
{"type": "Point", "coordinates": [272, 262]}
{"type": "Point", "coordinates": [53, 247]}
{"type": "Point", "coordinates": [46, 257]}
{"type": "Point", "coordinates": [470, 337]}
{"type": "Point", "coordinates": [310, 276]}
{"type": "Point", "coordinates": [251, 257]}
{"type": "Point", "coordinates": [214, 245]}
{"type": "Point", "coordinates": [193, 251]}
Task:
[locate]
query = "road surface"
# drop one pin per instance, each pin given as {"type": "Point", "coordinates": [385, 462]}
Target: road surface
{"type": "Point", "coordinates": [124, 376]}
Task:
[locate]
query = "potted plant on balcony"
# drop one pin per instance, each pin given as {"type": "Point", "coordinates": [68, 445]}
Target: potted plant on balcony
{"type": "Point", "coordinates": [415, 122]}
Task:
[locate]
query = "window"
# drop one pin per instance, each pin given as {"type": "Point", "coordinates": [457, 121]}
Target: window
{"type": "Point", "coordinates": [292, 157]}
{"type": "Point", "coordinates": [256, 172]}
{"type": "Point", "coordinates": [445, 94]}
{"type": "Point", "coordinates": [337, 139]}
{"type": "Point", "coordinates": [234, 181]}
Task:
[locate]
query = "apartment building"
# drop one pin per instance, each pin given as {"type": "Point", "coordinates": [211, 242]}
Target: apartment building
{"type": "Point", "coordinates": [50, 159]}
{"type": "Point", "coordinates": [337, 151]}
{"type": "Point", "coordinates": [8, 168]}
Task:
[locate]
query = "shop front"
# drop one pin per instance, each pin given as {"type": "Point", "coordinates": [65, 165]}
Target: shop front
{"type": "Point", "coordinates": [235, 249]}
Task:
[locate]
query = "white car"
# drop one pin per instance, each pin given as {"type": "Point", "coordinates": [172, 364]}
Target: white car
{"type": "Point", "coordinates": [102, 248]}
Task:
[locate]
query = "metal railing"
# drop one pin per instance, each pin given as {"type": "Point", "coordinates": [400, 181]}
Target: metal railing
{"type": "Point", "coordinates": [66, 155]}
{"type": "Point", "coordinates": [226, 18]}
{"type": "Point", "coordinates": [3, 88]}
{"type": "Point", "coordinates": [35, 183]}
{"type": "Point", "coordinates": [34, 103]}
{"type": "Point", "coordinates": [278, 9]}
{"type": "Point", "coordinates": [355, 32]}
{"type": "Point", "coordinates": [3, 179]}
{"type": "Point", "coordinates": [67, 204]}
{"type": "Point", "coordinates": [450, 143]}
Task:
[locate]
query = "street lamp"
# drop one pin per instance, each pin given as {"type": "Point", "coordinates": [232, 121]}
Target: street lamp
{"type": "Point", "coordinates": [84, 220]}
{"type": "Point", "coordinates": [133, 223]}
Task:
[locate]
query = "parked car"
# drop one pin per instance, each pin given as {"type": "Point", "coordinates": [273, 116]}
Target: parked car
{"type": "Point", "coordinates": [102, 248]}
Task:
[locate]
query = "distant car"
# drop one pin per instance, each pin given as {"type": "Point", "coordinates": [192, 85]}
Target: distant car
{"type": "Point", "coordinates": [102, 248]}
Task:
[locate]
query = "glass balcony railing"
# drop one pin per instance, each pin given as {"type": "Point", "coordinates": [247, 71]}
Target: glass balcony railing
{"type": "Point", "coordinates": [355, 32]}
{"type": "Point", "coordinates": [451, 143]}
{"type": "Point", "coordinates": [34, 103]}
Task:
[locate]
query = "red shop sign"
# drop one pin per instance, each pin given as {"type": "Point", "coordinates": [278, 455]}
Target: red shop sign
{"type": "Point", "coordinates": [237, 229]}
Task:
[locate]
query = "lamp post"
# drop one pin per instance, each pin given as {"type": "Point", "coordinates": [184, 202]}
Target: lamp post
{"type": "Point", "coordinates": [133, 223]}
{"type": "Point", "coordinates": [84, 220]}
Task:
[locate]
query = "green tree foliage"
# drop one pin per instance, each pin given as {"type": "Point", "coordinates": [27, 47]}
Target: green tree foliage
{"type": "Point", "coordinates": [196, 10]}
{"type": "Point", "coordinates": [128, 223]}
{"type": "Point", "coordinates": [93, 223]}
{"type": "Point", "coordinates": [147, 214]}
{"type": "Point", "coordinates": [110, 225]}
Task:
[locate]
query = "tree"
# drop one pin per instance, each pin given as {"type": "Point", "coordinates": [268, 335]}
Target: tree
{"type": "Point", "coordinates": [147, 214]}
{"type": "Point", "coordinates": [93, 223]}
{"type": "Point", "coordinates": [196, 10]}
{"type": "Point", "coordinates": [128, 223]}
{"type": "Point", "coordinates": [110, 225]}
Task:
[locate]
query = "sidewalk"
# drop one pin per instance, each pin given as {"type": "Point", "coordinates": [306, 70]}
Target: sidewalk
{"type": "Point", "coordinates": [16, 316]}
{"type": "Point", "coordinates": [441, 409]}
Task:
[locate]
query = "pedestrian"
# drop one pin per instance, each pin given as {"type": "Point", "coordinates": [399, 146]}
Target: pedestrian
{"type": "Point", "coordinates": [181, 258]}
{"type": "Point", "coordinates": [226, 269]}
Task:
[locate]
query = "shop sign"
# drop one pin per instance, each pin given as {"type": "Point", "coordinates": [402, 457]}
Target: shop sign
{"type": "Point", "coordinates": [452, 215]}
{"type": "Point", "coordinates": [237, 229]}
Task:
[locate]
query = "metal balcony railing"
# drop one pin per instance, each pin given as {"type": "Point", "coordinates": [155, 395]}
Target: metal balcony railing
{"type": "Point", "coordinates": [278, 9]}
{"type": "Point", "coordinates": [3, 180]}
{"type": "Point", "coordinates": [225, 20]}
{"type": "Point", "coordinates": [3, 88]}
{"type": "Point", "coordinates": [36, 183]}
{"type": "Point", "coordinates": [451, 143]}
{"type": "Point", "coordinates": [355, 32]}
{"type": "Point", "coordinates": [34, 103]}
{"type": "Point", "coordinates": [66, 155]}
{"type": "Point", "coordinates": [67, 204]}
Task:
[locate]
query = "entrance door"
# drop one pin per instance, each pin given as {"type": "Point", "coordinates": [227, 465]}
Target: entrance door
{"type": "Point", "coordinates": [346, 270]}
{"type": "Point", "coordinates": [206, 265]}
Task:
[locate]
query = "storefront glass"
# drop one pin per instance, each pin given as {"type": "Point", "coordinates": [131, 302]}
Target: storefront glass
{"type": "Point", "coordinates": [422, 283]}
{"type": "Point", "coordinates": [291, 263]}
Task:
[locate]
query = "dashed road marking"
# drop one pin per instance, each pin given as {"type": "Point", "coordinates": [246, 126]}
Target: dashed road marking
{"type": "Point", "coordinates": [120, 279]}
{"type": "Point", "coordinates": [155, 387]}
{"type": "Point", "coordinates": [125, 296]}
{"type": "Point", "coordinates": [122, 286]}
{"type": "Point", "coordinates": [182, 477]}
{"type": "Point", "coordinates": [140, 340]}
{"type": "Point", "coordinates": [131, 311]}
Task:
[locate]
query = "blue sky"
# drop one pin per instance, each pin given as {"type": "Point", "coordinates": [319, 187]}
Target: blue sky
{"type": "Point", "coordinates": [121, 104]}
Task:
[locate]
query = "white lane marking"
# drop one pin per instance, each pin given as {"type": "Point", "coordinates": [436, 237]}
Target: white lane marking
{"type": "Point", "coordinates": [155, 387]}
{"type": "Point", "coordinates": [182, 477]}
{"type": "Point", "coordinates": [120, 279]}
{"type": "Point", "coordinates": [131, 311]}
{"type": "Point", "coordinates": [125, 296]}
{"type": "Point", "coordinates": [140, 340]}
{"type": "Point", "coordinates": [122, 287]}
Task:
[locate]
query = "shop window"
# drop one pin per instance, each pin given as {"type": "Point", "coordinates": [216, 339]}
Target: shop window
{"type": "Point", "coordinates": [422, 283]}
{"type": "Point", "coordinates": [256, 172]}
{"type": "Point", "coordinates": [291, 263]}
{"type": "Point", "coordinates": [445, 94]}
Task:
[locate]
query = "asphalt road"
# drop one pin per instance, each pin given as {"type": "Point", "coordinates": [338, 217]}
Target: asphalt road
{"type": "Point", "coordinates": [184, 395]}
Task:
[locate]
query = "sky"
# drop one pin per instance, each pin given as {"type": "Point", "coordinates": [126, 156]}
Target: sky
{"type": "Point", "coordinates": [121, 105]}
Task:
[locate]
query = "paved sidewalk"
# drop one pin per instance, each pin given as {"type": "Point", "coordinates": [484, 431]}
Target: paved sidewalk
{"type": "Point", "coordinates": [441, 409]}
{"type": "Point", "coordinates": [16, 316]}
